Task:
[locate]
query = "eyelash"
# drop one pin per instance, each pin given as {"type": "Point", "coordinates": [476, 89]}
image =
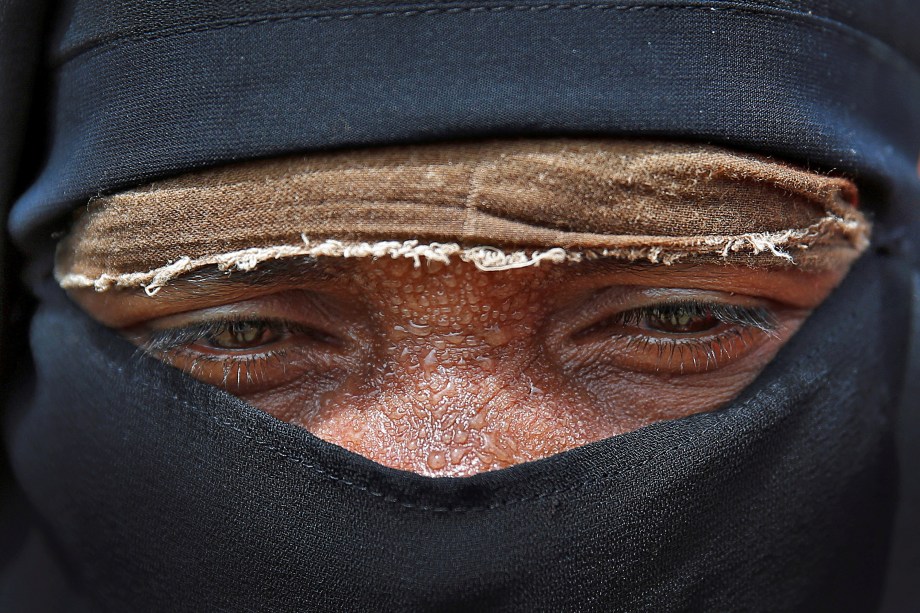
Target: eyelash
{"type": "Point", "coordinates": [709, 345]}
{"type": "Point", "coordinates": [760, 318]}
{"type": "Point", "coordinates": [174, 338]}
{"type": "Point", "coordinates": [173, 343]}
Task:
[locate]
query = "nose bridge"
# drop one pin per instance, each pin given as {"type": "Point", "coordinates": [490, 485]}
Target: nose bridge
{"type": "Point", "coordinates": [458, 408]}
{"type": "Point", "coordinates": [441, 376]}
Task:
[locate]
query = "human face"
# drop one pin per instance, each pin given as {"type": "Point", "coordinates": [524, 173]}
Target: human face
{"type": "Point", "coordinates": [448, 370]}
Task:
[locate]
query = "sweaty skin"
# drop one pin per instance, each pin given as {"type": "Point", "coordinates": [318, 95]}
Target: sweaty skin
{"type": "Point", "coordinates": [446, 370]}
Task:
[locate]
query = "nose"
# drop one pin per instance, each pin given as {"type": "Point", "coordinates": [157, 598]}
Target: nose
{"type": "Point", "coordinates": [443, 403]}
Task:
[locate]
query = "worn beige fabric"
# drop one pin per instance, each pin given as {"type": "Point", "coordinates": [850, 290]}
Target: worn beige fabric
{"type": "Point", "coordinates": [499, 204]}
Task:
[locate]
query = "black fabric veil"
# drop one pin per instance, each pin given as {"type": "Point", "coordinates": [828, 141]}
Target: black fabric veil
{"type": "Point", "coordinates": [133, 487]}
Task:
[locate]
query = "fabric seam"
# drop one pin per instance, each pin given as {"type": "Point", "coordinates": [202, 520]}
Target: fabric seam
{"type": "Point", "coordinates": [300, 460]}
{"type": "Point", "coordinates": [818, 22]}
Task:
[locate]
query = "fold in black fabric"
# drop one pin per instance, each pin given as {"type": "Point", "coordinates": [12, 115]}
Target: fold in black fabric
{"type": "Point", "coordinates": [159, 493]}
{"type": "Point", "coordinates": [139, 489]}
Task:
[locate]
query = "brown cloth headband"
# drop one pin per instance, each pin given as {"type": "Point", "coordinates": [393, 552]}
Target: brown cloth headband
{"type": "Point", "coordinates": [499, 204]}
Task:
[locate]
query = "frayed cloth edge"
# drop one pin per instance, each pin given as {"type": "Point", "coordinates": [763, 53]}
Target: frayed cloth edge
{"type": "Point", "coordinates": [484, 257]}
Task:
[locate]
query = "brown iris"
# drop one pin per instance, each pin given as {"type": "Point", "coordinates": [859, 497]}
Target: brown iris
{"type": "Point", "coordinates": [241, 335]}
{"type": "Point", "coordinates": [679, 320]}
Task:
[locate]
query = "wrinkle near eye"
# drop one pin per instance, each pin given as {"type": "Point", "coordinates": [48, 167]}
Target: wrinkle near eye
{"type": "Point", "coordinates": [449, 370]}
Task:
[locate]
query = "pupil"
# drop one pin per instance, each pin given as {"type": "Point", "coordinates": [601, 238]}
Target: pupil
{"type": "Point", "coordinates": [238, 336]}
{"type": "Point", "coordinates": [680, 320]}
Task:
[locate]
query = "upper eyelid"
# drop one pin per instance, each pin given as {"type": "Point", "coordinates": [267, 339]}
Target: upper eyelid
{"type": "Point", "coordinates": [298, 307]}
{"type": "Point", "coordinates": [756, 317]}
{"type": "Point", "coordinates": [167, 338]}
{"type": "Point", "coordinates": [172, 337]}
{"type": "Point", "coordinates": [608, 301]}
{"type": "Point", "coordinates": [600, 333]}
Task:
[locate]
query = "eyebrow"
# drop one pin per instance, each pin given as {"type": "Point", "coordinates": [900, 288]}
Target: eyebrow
{"type": "Point", "coordinates": [281, 272]}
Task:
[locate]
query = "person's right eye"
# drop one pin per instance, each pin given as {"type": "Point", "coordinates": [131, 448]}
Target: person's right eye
{"type": "Point", "coordinates": [226, 335]}
{"type": "Point", "coordinates": [242, 353]}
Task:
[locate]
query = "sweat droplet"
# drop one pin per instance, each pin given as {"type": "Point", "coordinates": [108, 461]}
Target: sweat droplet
{"type": "Point", "coordinates": [430, 362]}
{"type": "Point", "coordinates": [457, 454]}
{"type": "Point", "coordinates": [496, 336]}
{"type": "Point", "coordinates": [437, 460]}
{"type": "Point", "coordinates": [417, 329]}
{"type": "Point", "coordinates": [448, 390]}
{"type": "Point", "coordinates": [486, 363]}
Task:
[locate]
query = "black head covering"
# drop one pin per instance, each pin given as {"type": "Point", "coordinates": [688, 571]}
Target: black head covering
{"type": "Point", "coordinates": [138, 488]}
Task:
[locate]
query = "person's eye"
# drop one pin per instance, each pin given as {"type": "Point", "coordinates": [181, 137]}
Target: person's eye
{"type": "Point", "coordinates": [685, 319]}
{"type": "Point", "coordinates": [242, 355]}
{"type": "Point", "coordinates": [675, 334]}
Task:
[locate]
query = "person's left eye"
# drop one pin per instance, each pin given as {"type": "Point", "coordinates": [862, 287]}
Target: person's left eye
{"type": "Point", "coordinates": [684, 318]}
{"type": "Point", "coordinates": [671, 331]}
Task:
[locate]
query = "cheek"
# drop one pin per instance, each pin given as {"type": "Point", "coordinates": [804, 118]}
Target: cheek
{"type": "Point", "coordinates": [640, 398]}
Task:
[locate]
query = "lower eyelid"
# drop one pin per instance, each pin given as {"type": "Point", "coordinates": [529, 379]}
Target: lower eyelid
{"type": "Point", "coordinates": [619, 325]}
{"type": "Point", "coordinates": [252, 372]}
{"type": "Point", "coordinates": [663, 354]}
{"type": "Point", "coordinates": [617, 300]}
